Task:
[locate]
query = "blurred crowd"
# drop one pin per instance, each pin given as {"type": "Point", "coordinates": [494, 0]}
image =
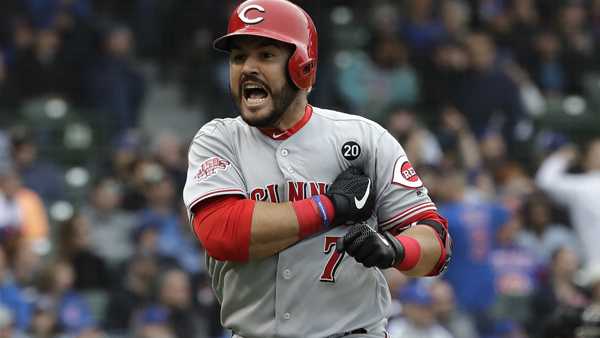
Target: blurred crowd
{"type": "Point", "coordinates": [496, 102]}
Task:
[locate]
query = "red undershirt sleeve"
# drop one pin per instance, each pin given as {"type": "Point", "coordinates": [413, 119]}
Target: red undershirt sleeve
{"type": "Point", "coordinates": [223, 225]}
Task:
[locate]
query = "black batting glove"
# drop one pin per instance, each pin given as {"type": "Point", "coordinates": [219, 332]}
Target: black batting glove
{"type": "Point", "coordinates": [371, 248]}
{"type": "Point", "coordinates": [353, 196]}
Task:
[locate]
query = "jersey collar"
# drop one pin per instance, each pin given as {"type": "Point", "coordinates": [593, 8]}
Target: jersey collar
{"type": "Point", "coordinates": [280, 135]}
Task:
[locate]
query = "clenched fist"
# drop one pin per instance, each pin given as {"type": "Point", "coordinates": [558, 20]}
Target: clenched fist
{"type": "Point", "coordinates": [371, 248]}
{"type": "Point", "coordinates": [353, 196]}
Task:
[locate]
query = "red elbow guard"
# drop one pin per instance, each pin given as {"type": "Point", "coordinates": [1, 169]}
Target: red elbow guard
{"type": "Point", "coordinates": [445, 256]}
{"type": "Point", "coordinates": [440, 225]}
{"type": "Point", "coordinates": [223, 225]}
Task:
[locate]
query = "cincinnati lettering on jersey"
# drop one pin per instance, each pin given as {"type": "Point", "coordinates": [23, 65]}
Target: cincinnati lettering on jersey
{"type": "Point", "coordinates": [294, 190]}
{"type": "Point", "coordinates": [210, 167]}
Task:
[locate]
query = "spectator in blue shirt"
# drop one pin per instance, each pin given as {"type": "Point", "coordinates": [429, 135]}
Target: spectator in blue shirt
{"type": "Point", "coordinates": [474, 226]}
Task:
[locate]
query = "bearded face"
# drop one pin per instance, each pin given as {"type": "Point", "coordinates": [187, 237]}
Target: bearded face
{"type": "Point", "coordinates": [258, 80]}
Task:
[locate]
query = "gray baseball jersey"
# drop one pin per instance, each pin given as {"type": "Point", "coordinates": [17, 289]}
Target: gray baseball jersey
{"type": "Point", "coordinates": [308, 290]}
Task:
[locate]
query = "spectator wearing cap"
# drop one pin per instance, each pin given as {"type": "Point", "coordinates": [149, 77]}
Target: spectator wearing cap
{"type": "Point", "coordinates": [419, 319]}
{"type": "Point", "coordinates": [578, 192]}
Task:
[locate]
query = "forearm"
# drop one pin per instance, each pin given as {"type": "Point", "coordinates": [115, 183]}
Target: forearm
{"type": "Point", "coordinates": [236, 229]}
{"type": "Point", "coordinates": [430, 249]}
{"type": "Point", "coordinates": [274, 228]}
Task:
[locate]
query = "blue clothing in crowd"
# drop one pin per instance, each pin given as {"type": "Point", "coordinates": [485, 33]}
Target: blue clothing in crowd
{"type": "Point", "coordinates": [172, 240]}
{"type": "Point", "coordinates": [14, 299]}
{"type": "Point", "coordinates": [471, 274]}
{"type": "Point", "coordinates": [75, 313]}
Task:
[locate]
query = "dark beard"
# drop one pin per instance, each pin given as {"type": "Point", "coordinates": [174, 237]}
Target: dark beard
{"type": "Point", "coordinates": [281, 103]}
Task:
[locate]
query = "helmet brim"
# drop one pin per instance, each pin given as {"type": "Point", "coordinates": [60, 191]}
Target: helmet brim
{"type": "Point", "coordinates": [224, 43]}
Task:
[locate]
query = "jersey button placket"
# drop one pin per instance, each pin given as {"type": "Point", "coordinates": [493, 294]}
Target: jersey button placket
{"type": "Point", "coordinates": [287, 316]}
{"type": "Point", "coordinates": [283, 154]}
{"type": "Point", "coordinates": [287, 274]}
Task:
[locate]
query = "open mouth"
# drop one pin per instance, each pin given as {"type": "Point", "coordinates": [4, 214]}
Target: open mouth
{"type": "Point", "coordinates": [254, 94]}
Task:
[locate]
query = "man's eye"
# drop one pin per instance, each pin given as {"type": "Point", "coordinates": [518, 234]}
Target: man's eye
{"type": "Point", "coordinates": [267, 55]}
{"type": "Point", "coordinates": [237, 58]}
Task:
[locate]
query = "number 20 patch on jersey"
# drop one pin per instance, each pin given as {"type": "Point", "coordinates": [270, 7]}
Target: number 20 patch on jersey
{"type": "Point", "coordinates": [405, 175]}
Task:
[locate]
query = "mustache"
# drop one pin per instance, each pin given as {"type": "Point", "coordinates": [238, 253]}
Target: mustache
{"type": "Point", "coordinates": [246, 78]}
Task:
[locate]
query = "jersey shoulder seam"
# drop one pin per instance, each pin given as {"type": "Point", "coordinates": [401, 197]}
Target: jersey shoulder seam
{"type": "Point", "coordinates": [344, 117]}
{"type": "Point", "coordinates": [217, 125]}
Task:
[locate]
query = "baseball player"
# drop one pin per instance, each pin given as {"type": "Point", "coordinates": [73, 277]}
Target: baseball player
{"type": "Point", "coordinates": [299, 208]}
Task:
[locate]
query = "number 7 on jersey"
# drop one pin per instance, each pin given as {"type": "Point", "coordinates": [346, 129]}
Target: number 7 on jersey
{"type": "Point", "coordinates": [334, 260]}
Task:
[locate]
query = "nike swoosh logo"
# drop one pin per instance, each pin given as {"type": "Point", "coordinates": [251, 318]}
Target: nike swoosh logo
{"type": "Point", "coordinates": [279, 135]}
{"type": "Point", "coordinates": [360, 203]}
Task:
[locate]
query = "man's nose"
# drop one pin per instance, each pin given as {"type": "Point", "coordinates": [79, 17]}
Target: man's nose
{"type": "Point", "coordinates": [251, 66]}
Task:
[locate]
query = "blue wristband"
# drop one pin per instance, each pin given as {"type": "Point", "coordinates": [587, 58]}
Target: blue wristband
{"type": "Point", "coordinates": [321, 208]}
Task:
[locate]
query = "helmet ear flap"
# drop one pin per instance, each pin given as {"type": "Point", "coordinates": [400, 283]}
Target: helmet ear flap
{"type": "Point", "coordinates": [302, 69]}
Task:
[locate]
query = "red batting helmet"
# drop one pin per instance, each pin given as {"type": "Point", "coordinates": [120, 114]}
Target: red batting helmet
{"type": "Point", "coordinates": [283, 21]}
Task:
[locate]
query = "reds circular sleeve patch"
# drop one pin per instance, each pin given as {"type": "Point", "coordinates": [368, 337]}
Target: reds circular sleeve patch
{"type": "Point", "coordinates": [405, 175]}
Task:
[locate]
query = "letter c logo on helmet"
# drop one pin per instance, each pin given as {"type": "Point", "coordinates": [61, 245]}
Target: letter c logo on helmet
{"type": "Point", "coordinates": [249, 21]}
